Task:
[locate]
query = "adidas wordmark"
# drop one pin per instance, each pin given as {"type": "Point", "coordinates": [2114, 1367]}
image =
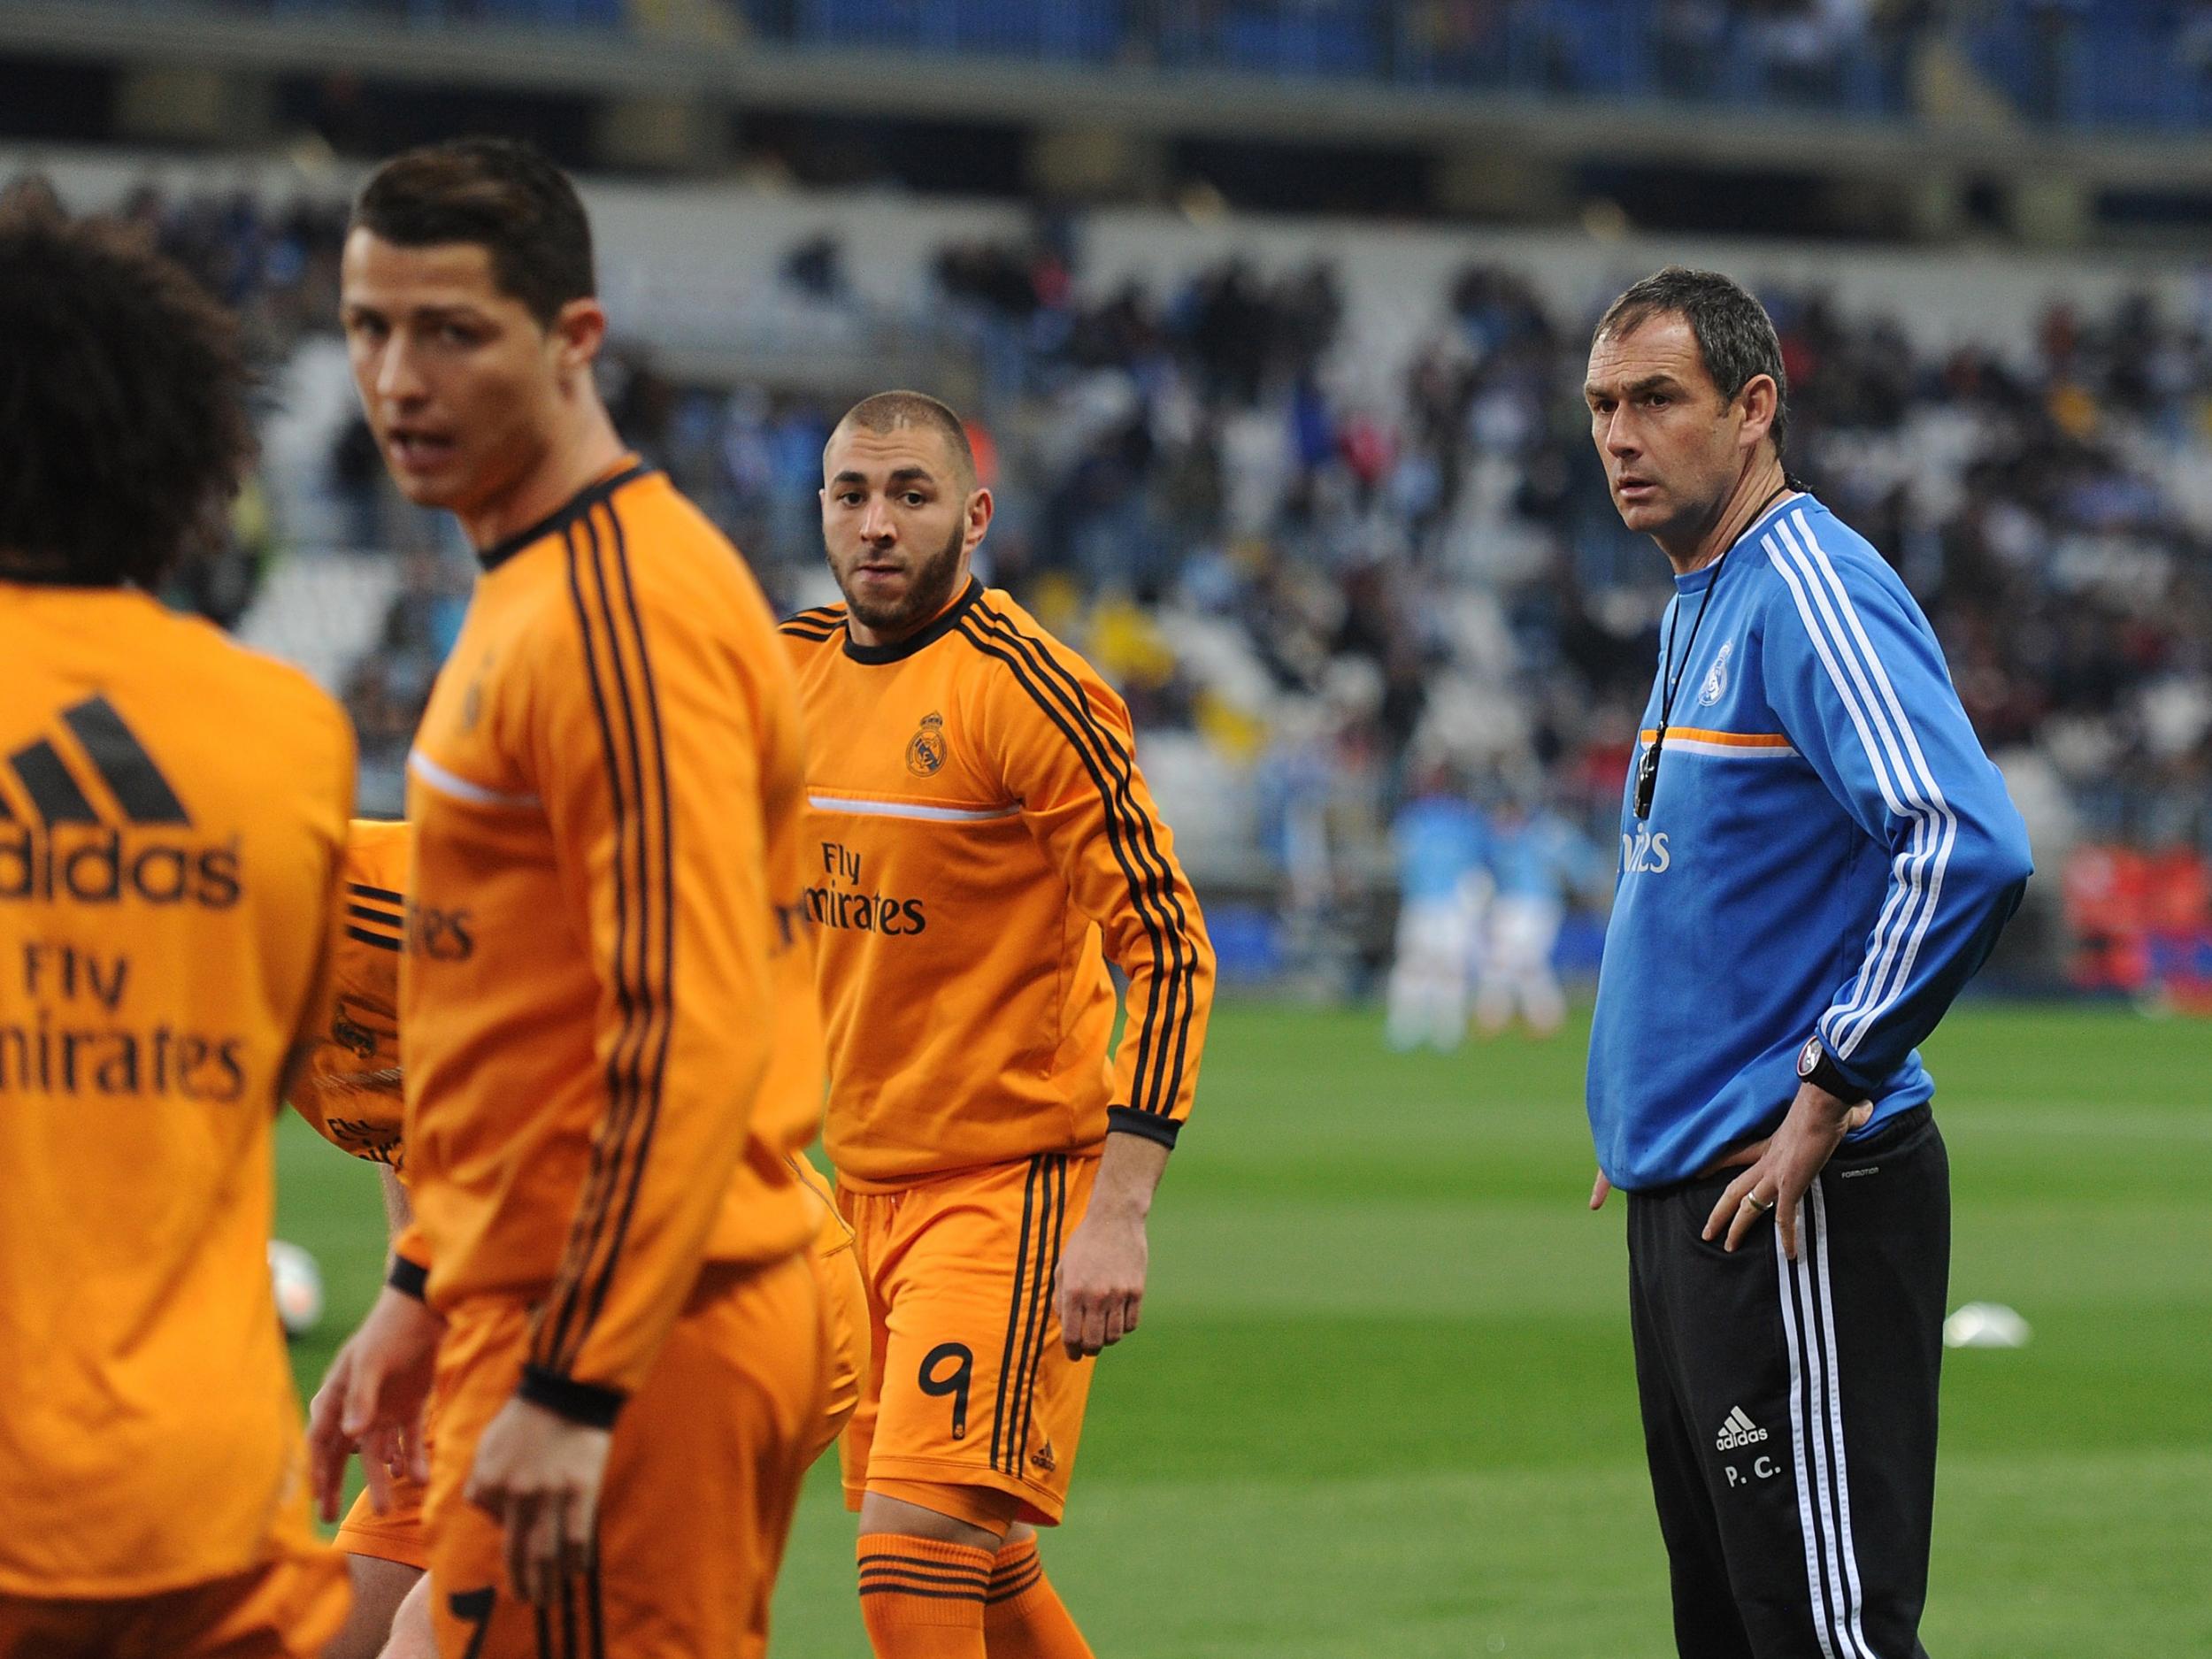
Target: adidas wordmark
{"type": "Point", "coordinates": [1738, 1431]}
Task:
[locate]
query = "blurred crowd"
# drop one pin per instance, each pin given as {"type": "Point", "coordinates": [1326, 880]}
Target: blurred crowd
{"type": "Point", "coordinates": [2064, 62]}
{"type": "Point", "coordinates": [1311, 599]}
{"type": "Point", "coordinates": [1275, 566]}
{"type": "Point", "coordinates": [1313, 594]}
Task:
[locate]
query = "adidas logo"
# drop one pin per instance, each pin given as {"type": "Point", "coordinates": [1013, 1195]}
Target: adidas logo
{"type": "Point", "coordinates": [69, 848]}
{"type": "Point", "coordinates": [118, 757]}
{"type": "Point", "coordinates": [1738, 1431]}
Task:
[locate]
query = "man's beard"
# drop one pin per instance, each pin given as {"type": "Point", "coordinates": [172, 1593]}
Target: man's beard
{"type": "Point", "coordinates": [925, 596]}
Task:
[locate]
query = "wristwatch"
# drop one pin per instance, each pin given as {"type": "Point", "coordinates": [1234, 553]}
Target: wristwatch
{"type": "Point", "coordinates": [1814, 1067]}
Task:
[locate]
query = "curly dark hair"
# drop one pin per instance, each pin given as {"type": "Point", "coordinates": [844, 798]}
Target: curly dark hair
{"type": "Point", "coordinates": [501, 195]}
{"type": "Point", "coordinates": [123, 403]}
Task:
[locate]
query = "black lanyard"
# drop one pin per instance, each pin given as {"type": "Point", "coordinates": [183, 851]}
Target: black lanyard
{"type": "Point", "coordinates": [1670, 681]}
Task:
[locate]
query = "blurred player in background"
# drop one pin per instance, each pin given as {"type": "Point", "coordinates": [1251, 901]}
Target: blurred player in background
{"type": "Point", "coordinates": [173, 811]}
{"type": "Point", "coordinates": [982, 844]}
{"type": "Point", "coordinates": [1537, 859]}
{"type": "Point", "coordinates": [609, 1040]}
{"type": "Point", "coordinates": [1816, 856]}
{"type": "Point", "coordinates": [1443, 846]}
{"type": "Point", "coordinates": [348, 1089]}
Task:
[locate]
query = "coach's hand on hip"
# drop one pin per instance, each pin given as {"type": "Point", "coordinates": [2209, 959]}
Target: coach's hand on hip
{"type": "Point", "coordinates": [540, 1474]}
{"type": "Point", "coordinates": [1784, 1166]}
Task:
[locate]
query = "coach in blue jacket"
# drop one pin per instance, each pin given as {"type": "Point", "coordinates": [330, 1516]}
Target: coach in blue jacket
{"type": "Point", "coordinates": [1816, 854]}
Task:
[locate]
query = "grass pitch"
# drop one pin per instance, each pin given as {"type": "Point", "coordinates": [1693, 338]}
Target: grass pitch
{"type": "Point", "coordinates": [1382, 1401]}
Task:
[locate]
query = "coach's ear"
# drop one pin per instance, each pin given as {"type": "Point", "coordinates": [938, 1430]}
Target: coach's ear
{"type": "Point", "coordinates": [1760, 397]}
{"type": "Point", "coordinates": [580, 328]}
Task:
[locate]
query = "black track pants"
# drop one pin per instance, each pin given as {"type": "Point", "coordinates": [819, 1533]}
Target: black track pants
{"type": "Point", "coordinates": [1790, 1407]}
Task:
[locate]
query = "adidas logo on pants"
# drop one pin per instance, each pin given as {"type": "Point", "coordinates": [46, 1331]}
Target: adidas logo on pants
{"type": "Point", "coordinates": [1789, 1407]}
{"type": "Point", "coordinates": [1738, 1431]}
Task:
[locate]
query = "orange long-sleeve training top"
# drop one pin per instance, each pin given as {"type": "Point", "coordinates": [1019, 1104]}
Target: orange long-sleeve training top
{"type": "Point", "coordinates": [608, 1028]}
{"type": "Point", "coordinates": [349, 1087]}
{"type": "Point", "coordinates": [172, 811]}
{"type": "Point", "coordinates": [982, 844]}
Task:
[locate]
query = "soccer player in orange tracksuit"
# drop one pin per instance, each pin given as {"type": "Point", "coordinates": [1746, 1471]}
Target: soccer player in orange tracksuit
{"type": "Point", "coordinates": [171, 813]}
{"type": "Point", "coordinates": [982, 845]}
{"type": "Point", "coordinates": [609, 1040]}
{"type": "Point", "coordinates": [348, 1089]}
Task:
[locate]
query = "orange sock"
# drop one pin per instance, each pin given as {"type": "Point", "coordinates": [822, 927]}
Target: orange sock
{"type": "Point", "coordinates": [921, 1599]}
{"type": "Point", "coordinates": [1023, 1617]}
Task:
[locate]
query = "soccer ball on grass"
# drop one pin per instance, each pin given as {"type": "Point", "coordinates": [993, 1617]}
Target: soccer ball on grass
{"type": "Point", "coordinates": [298, 1283]}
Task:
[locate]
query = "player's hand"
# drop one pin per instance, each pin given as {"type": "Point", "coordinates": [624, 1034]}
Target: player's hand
{"type": "Point", "coordinates": [1102, 1279]}
{"type": "Point", "coordinates": [371, 1400]}
{"type": "Point", "coordinates": [1775, 1183]}
{"type": "Point", "coordinates": [538, 1474]}
{"type": "Point", "coordinates": [1600, 1190]}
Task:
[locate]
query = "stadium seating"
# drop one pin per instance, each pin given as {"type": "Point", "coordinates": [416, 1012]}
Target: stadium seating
{"type": "Point", "coordinates": [1322, 505]}
{"type": "Point", "coordinates": [2104, 66]}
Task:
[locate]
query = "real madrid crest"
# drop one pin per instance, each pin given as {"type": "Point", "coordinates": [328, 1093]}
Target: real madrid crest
{"type": "Point", "coordinates": [1716, 678]}
{"type": "Point", "coordinates": [926, 754]}
{"type": "Point", "coordinates": [473, 701]}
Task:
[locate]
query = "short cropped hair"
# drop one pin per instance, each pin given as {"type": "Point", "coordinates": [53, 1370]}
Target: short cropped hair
{"type": "Point", "coordinates": [1734, 335]}
{"type": "Point", "coordinates": [499, 194]}
{"type": "Point", "coordinates": [123, 393]}
{"type": "Point", "coordinates": [887, 411]}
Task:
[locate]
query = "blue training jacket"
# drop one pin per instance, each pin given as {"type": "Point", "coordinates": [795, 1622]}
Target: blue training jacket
{"type": "Point", "coordinates": [1828, 850]}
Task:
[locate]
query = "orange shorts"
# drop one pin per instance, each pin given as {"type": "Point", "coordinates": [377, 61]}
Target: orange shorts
{"type": "Point", "coordinates": [844, 1333]}
{"type": "Point", "coordinates": [394, 1535]}
{"type": "Point", "coordinates": [968, 1385]}
{"type": "Point", "coordinates": [286, 1608]}
{"type": "Point", "coordinates": [397, 1534]}
{"type": "Point", "coordinates": [701, 1483]}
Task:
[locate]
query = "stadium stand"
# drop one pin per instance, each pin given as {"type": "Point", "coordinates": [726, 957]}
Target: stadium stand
{"type": "Point", "coordinates": [2066, 63]}
{"type": "Point", "coordinates": [1326, 518]}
